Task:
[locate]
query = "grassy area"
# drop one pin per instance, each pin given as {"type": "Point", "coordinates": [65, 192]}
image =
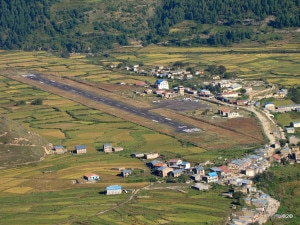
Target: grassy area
{"type": "Point", "coordinates": [52, 198]}
{"type": "Point", "coordinates": [284, 186]}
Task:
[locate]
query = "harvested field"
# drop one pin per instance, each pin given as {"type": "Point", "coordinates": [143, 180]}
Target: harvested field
{"type": "Point", "coordinates": [219, 135]}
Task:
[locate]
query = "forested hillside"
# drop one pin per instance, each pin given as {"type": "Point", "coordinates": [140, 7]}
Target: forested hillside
{"type": "Point", "coordinates": [91, 26]}
{"type": "Point", "coordinates": [236, 20]}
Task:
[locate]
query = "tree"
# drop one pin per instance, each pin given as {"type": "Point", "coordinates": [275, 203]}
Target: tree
{"type": "Point", "coordinates": [221, 69]}
{"type": "Point", "coordinates": [229, 75]}
{"type": "Point", "coordinates": [191, 69]}
{"type": "Point", "coordinates": [38, 101]}
{"type": "Point", "coordinates": [243, 90]}
{"type": "Point", "coordinates": [239, 196]}
{"type": "Point", "coordinates": [183, 178]}
{"type": "Point", "coordinates": [282, 142]}
{"type": "Point", "coordinates": [178, 64]}
{"type": "Point", "coordinates": [21, 102]}
{"type": "Point", "coordinates": [212, 69]}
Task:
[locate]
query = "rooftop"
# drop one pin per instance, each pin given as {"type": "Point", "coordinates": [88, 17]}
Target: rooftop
{"type": "Point", "coordinates": [113, 187]}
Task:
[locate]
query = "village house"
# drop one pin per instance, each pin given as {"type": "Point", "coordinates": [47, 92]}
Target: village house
{"type": "Point", "coordinates": [281, 93]}
{"type": "Point", "coordinates": [201, 187]}
{"type": "Point", "coordinates": [226, 172]}
{"type": "Point", "coordinates": [285, 151]}
{"type": "Point", "coordinates": [229, 94]}
{"type": "Point", "coordinates": [198, 172]}
{"type": "Point", "coordinates": [269, 106]}
{"type": "Point", "coordinates": [176, 173]}
{"type": "Point", "coordinates": [242, 102]}
{"type": "Point", "coordinates": [162, 84]}
{"type": "Point", "coordinates": [80, 149]}
{"type": "Point", "coordinates": [126, 172]}
{"type": "Point", "coordinates": [59, 149]}
{"type": "Point", "coordinates": [113, 190]}
{"type": "Point", "coordinates": [293, 140]}
{"type": "Point", "coordinates": [91, 177]}
{"type": "Point", "coordinates": [117, 149]}
{"type": "Point", "coordinates": [261, 200]}
{"type": "Point", "coordinates": [107, 147]}
{"type": "Point", "coordinates": [211, 177]}
{"type": "Point", "coordinates": [159, 164]}
{"type": "Point", "coordinates": [235, 87]}
{"type": "Point", "coordinates": [251, 171]}
{"type": "Point", "coordinates": [254, 158]}
{"type": "Point", "coordinates": [174, 163]}
{"type": "Point", "coordinates": [296, 153]}
{"type": "Point", "coordinates": [218, 171]}
{"type": "Point", "coordinates": [264, 152]}
{"type": "Point", "coordinates": [163, 171]}
{"type": "Point", "coordinates": [227, 113]}
{"type": "Point", "coordinates": [216, 77]}
{"type": "Point", "coordinates": [180, 90]}
{"type": "Point", "coordinates": [295, 124]}
{"type": "Point", "coordinates": [287, 108]}
{"type": "Point", "coordinates": [190, 91]}
{"type": "Point", "coordinates": [290, 130]}
{"type": "Point", "coordinates": [137, 155]}
{"type": "Point", "coordinates": [295, 149]}
{"type": "Point", "coordinates": [224, 83]}
{"type": "Point", "coordinates": [276, 158]}
{"type": "Point", "coordinates": [241, 182]}
{"type": "Point", "coordinates": [237, 165]}
{"type": "Point", "coordinates": [185, 165]}
{"type": "Point", "coordinates": [151, 155]}
{"type": "Point", "coordinates": [152, 163]}
{"type": "Point", "coordinates": [204, 93]}
{"type": "Point", "coordinates": [148, 91]}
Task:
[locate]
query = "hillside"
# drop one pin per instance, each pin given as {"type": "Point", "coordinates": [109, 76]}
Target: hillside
{"type": "Point", "coordinates": [91, 26]}
{"type": "Point", "coordinates": [18, 145]}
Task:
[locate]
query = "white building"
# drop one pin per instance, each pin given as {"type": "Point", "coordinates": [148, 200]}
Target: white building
{"type": "Point", "coordinates": [162, 84]}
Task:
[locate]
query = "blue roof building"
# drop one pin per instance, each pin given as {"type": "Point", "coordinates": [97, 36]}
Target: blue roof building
{"type": "Point", "coordinates": [213, 174]}
{"type": "Point", "coordinates": [162, 84]}
{"type": "Point", "coordinates": [80, 149]}
{"type": "Point", "coordinates": [114, 190]}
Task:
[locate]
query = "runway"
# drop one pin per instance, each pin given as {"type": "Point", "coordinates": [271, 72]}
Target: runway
{"type": "Point", "coordinates": [178, 126]}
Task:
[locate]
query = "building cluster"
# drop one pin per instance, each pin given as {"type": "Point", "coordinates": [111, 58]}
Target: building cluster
{"type": "Point", "coordinates": [81, 149]}
{"type": "Point", "coordinates": [161, 88]}
{"type": "Point", "coordinates": [162, 72]}
{"type": "Point", "coordinates": [149, 155]}
{"type": "Point", "coordinates": [283, 108]}
{"type": "Point", "coordinates": [108, 148]}
{"type": "Point", "coordinates": [231, 173]}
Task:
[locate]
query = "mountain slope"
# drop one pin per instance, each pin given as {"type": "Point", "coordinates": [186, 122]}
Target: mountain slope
{"type": "Point", "coordinates": [18, 145]}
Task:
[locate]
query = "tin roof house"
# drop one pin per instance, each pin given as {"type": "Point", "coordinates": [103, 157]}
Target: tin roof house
{"type": "Point", "coordinates": [91, 177]}
{"type": "Point", "coordinates": [80, 149]}
{"type": "Point", "coordinates": [113, 190]}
